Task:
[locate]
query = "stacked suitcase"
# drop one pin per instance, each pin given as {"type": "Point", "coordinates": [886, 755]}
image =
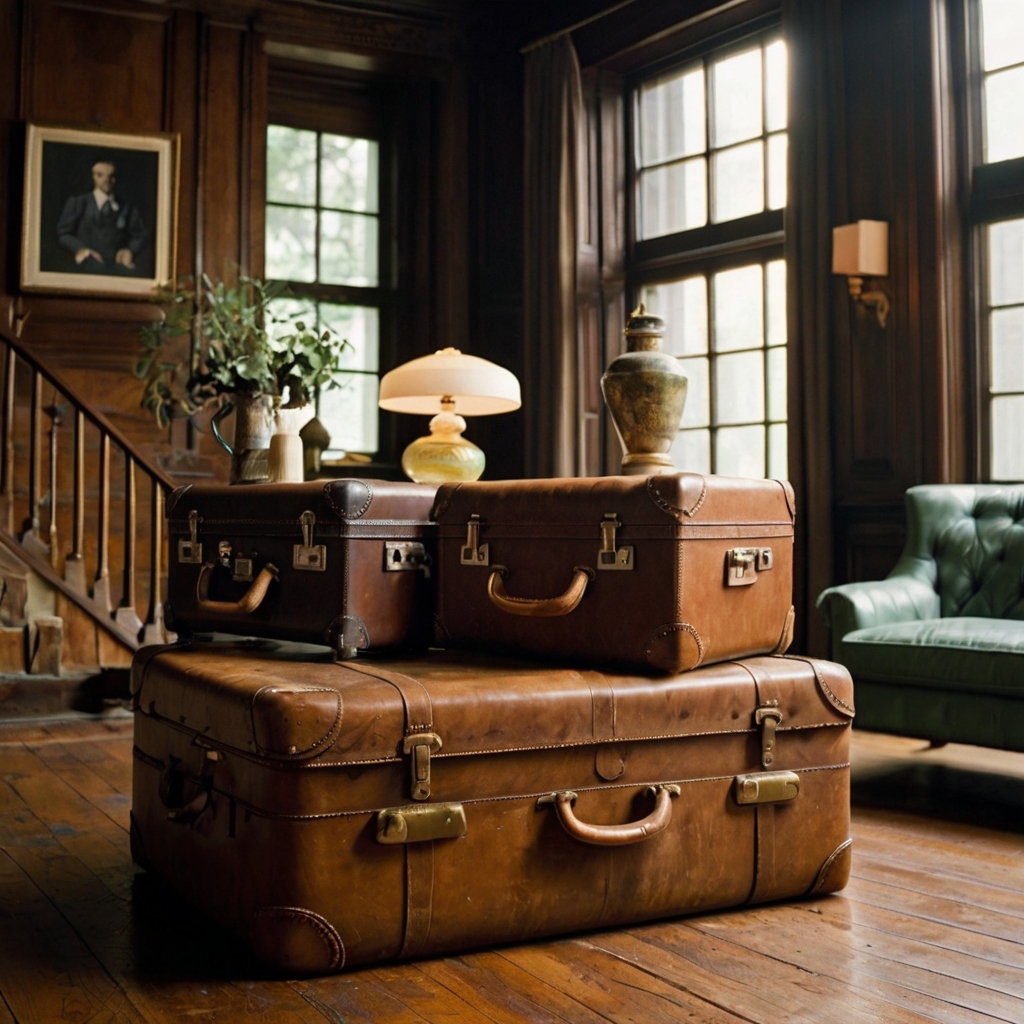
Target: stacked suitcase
{"type": "Point", "coordinates": [335, 811]}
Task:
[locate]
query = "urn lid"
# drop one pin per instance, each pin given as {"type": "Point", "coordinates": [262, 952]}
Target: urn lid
{"type": "Point", "coordinates": [644, 330]}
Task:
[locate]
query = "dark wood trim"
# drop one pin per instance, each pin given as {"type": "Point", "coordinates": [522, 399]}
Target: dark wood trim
{"type": "Point", "coordinates": [763, 230]}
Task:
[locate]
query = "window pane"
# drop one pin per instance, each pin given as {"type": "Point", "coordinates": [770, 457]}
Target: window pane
{"type": "Point", "coordinates": [290, 244]}
{"type": "Point", "coordinates": [739, 451]}
{"type": "Point", "coordinates": [739, 388]}
{"type": "Point", "coordinates": [737, 98]}
{"type": "Point", "coordinates": [777, 302]}
{"type": "Point", "coordinates": [776, 71]}
{"type": "Point", "coordinates": [291, 166]}
{"type": "Point", "coordinates": [1007, 326]}
{"type": "Point", "coordinates": [349, 412]}
{"type": "Point", "coordinates": [739, 309]}
{"type": "Point", "coordinates": [777, 384]}
{"type": "Point", "coordinates": [360, 326]}
{"type": "Point", "coordinates": [1004, 125]}
{"type": "Point", "coordinates": [672, 117]}
{"type": "Point", "coordinates": [1002, 24]}
{"type": "Point", "coordinates": [739, 181]}
{"type": "Point", "coordinates": [1006, 262]}
{"type": "Point", "coordinates": [348, 173]}
{"type": "Point", "coordinates": [1008, 437]}
{"type": "Point", "coordinates": [691, 451]}
{"type": "Point", "coordinates": [684, 305]}
{"type": "Point", "coordinates": [777, 148]}
{"type": "Point", "coordinates": [778, 451]}
{"type": "Point", "coordinates": [697, 412]}
{"type": "Point", "coordinates": [284, 313]}
{"type": "Point", "coordinates": [348, 249]}
{"type": "Point", "coordinates": [673, 198]}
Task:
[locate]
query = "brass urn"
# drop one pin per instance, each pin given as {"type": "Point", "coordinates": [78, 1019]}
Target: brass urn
{"type": "Point", "coordinates": [645, 390]}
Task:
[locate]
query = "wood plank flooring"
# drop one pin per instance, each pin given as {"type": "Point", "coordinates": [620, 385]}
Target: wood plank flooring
{"type": "Point", "coordinates": [931, 927]}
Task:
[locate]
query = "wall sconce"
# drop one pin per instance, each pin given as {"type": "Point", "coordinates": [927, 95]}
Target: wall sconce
{"type": "Point", "coordinates": [862, 250]}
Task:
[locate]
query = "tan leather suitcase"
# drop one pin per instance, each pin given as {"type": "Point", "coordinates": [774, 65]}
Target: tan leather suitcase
{"type": "Point", "coordinates": [342, 562]}
{"type": "Point", "coordinates": [336, 814]}
{"type": "Point", "coordinates": [663, 572]}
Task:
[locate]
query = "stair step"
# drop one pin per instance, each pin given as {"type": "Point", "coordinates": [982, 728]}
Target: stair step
{"type": "Point", "coordinates": [97, 692]}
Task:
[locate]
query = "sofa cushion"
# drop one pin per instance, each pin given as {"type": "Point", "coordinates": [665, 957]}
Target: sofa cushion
{"type": "Point", "coordinates": [964, 652]}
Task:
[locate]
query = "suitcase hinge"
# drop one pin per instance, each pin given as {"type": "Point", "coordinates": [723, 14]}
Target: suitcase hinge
{"type": "Point", "coordinates": [419, 823]}
{"type": "Point", "coordinates": [610, 556]}
{"type": "Point", "coordinates": [473, 552]}
{"type": "Point", "coordinates": [421, 745]}
{"type": "Point", "coordinates": [768, 717]}
{"type": "Point", "coordinates": [743, 564]}
{"type": "Point", "coordinates": [308, 555]}
{"type": "Point", "coordinates": [190, 552]}
{"type": "Point", "coordinates": [766, 787]}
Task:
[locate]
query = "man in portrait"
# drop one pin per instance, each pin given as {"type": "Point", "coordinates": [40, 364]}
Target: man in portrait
{"type": "Point", "coordinates": [104, 232]}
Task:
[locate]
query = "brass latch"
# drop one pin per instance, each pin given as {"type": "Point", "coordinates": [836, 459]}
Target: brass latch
{"type": "Point", "coordinates": [420, 745]}
{"type": "Point", "coordinates": [743, 564]}
{"type": "Point", "coordinates": [308, 555]}
{"type": "Point", "coordinates": [406, 556]}
{"type": "Point", "coordinates": [610, 556]}
{"type": "Point", "coordinates": [191, 551]}
{"type": "Point", "coordinates": [766, 787]}
{"type": "Point", "coordinates": [768, 717]}
{"type": "Point", "coordinates": [243, 571]}
{"type": "Point", "coordinates": [473, 552]}
{"type": "Point", "coordinates": [419, 822]}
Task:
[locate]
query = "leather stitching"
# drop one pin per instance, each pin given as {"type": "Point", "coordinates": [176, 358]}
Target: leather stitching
{"type": "Point", "coordinates": [675, 509]}
{"type": "Point", "coordinates": [676, 627]}
{"type": "Point", "coordinates": [341, 512]}
{"type": "Point", "coordinates": [822, 879]}
{"type": "Point", "coordinates": [837, 702]}
{"type": "Point", "coordinates": [328, 738]}
{"type": "Point", "coordinates": [327, 933]}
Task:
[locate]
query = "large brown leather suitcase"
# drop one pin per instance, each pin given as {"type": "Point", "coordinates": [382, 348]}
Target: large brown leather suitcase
{"type": "Point", "coordinates": [343, 562]}
{"type": "Point", "coordinates": [335, 814]}
{"type": "Point", "coordinates": [664, 572]}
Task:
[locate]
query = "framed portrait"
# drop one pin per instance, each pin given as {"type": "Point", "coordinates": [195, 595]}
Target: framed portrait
{"type": "Point", "coordinates": [100, 211]}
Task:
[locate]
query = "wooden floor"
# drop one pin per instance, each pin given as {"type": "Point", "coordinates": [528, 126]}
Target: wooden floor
{"type": "Point", "coordinates": [930, 928]}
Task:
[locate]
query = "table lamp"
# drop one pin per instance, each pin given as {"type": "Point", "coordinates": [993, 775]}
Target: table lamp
{"type": "Point", "coordinates": [451, 385]}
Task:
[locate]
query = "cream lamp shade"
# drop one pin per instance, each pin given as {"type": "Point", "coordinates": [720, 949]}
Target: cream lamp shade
{"type": "Point", "coordinates": [447, 385]}
{"type": "Point", "coordinates": [476, 386]}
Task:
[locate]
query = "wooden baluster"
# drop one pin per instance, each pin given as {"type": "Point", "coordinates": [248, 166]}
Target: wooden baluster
{"type": "Point", "coordinates": [30, 538]}
{"type": "Point", "coordinates": [127, 616]}
{"type": "Point", "coordinates": [8, 438]}
{"type": "Point", "coordinates": [154, 632]}
{"type": "Point", "coordinates": [101, 587]}
{"type": "Point", "coordinates": [53, 411]}
{"type": "Point", "coordinates": [74, 564]}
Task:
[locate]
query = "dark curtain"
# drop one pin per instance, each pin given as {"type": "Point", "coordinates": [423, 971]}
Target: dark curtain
{"type": "Point", "coordinates": [808, 262]}
{"type": "Point", "coordinates": [554, 114]}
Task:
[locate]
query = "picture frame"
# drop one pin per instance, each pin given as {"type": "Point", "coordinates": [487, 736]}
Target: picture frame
{"type": "Point", "coordinates": [100, 212]}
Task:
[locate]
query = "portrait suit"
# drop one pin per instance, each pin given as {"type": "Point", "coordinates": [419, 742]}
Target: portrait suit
{"type": "Point", "coordinates": [119, 225]}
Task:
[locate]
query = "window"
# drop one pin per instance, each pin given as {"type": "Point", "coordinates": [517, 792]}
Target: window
{"type": "Point", "coordinates": [997, 205]}
{"type": "Point", "coordinates": [709, 178]}
{"type": "Point", "coordinates": [323, 238]}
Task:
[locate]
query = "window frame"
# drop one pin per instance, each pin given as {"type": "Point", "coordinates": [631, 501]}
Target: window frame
{"type": "Point", "coordinates": [754, 239]}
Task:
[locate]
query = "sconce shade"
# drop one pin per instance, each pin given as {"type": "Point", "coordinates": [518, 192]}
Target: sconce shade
{"type": "Point", "coordinates": [477, 387]}
{"type": "Point", "coordinates": [861, 249]}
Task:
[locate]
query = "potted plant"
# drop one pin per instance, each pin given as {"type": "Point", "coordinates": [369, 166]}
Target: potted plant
{"type": "Point", "coordinates": [249, 361]}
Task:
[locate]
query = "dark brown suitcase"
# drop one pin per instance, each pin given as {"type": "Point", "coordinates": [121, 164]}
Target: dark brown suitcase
{"type": "Point", "coordinates": [336, 814]}
{"type": "Point", "coordinates": [344, 562]}
{"type": "Point", "coordinates": [663, 572]}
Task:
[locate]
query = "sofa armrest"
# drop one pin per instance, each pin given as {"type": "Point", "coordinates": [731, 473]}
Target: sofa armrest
{"type": "Point", "coordinates": [900, 598]}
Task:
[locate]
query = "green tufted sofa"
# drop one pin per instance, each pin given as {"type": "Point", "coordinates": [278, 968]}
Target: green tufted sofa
{"type": "Point", "coordinates": [937, 648]}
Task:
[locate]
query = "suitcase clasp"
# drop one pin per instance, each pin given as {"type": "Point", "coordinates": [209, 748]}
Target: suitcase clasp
{"type": "Point", "coordinates": [308, 555]}
{"type": "Point", "coordinates": [473, 552]}
{"type": "Point", "coordinates": [190, 552]}
{"type": "Point", "coordinates": [610, 556]}
{"type": "Point", "coordinates": [406, 556]}
{"type": "Point", "coordinates": [419, 823]}
{"type": "Point", "coordinates": [768, 717]}
{"type": "Point", "coordinates": [766, 787]}
{"type": "Point", "coordinates": [743, 564]}
{"type": "Point", "coordinates": [421, 745]}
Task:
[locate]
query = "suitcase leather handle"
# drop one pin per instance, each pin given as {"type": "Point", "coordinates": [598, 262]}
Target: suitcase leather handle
{"type": "Point", "coordinates": [614, 835]}
{"type": "Point", "coordinates": [542, 607]}
{"type": "Point", "coordinates": [246, 605]}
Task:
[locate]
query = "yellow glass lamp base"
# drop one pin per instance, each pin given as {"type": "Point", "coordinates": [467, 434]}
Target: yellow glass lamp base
{"type": "Point", "coordinates": [445, 455]}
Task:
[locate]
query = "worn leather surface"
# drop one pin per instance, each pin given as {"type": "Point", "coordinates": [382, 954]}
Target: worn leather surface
{"type": "Point", "coordinates": [353, 603]}
{"type": "Point", "coordinates": [296, 778]}
{"type": "Point", "coordinates": [672, 612]}
{"type": "Point", "coordinates": [946, 624]}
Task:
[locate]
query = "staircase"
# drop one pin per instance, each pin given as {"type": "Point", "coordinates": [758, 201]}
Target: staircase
{"type": "Point", "coordinates": [82, 549]}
